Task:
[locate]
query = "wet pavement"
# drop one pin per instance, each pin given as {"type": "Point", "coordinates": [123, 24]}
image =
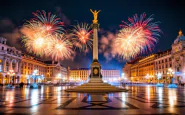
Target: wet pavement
{"type": "Point", "coordinates": [53, 100]}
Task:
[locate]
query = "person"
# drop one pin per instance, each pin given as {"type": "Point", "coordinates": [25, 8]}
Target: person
{"type": "Point", "coordinates": [21, 85]}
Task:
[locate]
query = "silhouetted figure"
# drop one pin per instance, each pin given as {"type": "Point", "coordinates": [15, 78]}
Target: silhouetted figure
{"type": "Point", "coordinates": [21, 85]}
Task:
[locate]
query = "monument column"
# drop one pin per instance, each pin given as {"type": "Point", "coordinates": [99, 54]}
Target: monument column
{"type": "Point", "coordinates": [95, 41]}
{"type": "Point", "coordinates": [95, 66]}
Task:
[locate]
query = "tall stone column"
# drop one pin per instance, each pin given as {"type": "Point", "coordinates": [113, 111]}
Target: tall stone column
{"type": "Point", "coordinates": [95, 66]}
{"type": "Point", "coordinates": [95, 41]}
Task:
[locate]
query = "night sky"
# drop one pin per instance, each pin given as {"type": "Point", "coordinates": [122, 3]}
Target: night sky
{"type": "Point", "coordinates": [170, 13]}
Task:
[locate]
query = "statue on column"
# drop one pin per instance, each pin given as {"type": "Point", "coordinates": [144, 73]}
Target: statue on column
{"type": "Point", "coordinates": [95, 14]}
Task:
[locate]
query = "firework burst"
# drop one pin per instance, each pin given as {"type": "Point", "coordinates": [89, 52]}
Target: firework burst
{"type": "Point", "coordinates": [129, 42]}
{"type": "Point", "coordinates": [137, 36]}
{"type": "Point", "coordinates": [81, 36]}
{"type": "Point", "coordinates": [59, 48]}
{"type": "Point", "coordinates": [50, 22]}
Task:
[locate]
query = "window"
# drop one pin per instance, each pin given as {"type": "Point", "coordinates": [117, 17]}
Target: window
{"type": "Point", "coordinates": [170, 59]}
{"type": "Point", "coordinates": [166, 60]}
{"type": "Point", "coordinates": [166, 65]}
{"type": "Point", "coordinates": [170, 65]}
{"type": "Point", "coordinates": [162, 61]}
{"type": "Point", "coordinates": [2, 48]}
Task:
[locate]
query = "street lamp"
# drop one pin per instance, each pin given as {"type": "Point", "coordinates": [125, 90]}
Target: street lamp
{"type": "Point", "coordinates": [11, 73]}
{"type": "Point", "coordinates": [159, 75]}
{"type": "Point", "coordinates": [147, 77]}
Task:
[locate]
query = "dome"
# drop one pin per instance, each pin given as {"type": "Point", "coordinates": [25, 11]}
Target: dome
{"type": "Point", "coordinates": [179, 38]}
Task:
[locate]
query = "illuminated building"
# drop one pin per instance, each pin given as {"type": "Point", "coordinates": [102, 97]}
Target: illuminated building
{"type": "Point", "coordinates": [168, 64]}
{"type": "Point", "coordinates": [110, 75]}
{"type": "Point", "coordinates": [178, 58]}
{"type": "Point", "coordinates": [162, 63]}
{"type": "Point", "coordinates": [141, 69]}
{"type": "Point", "coordinates": [29, 64]}
{"type": "Point", "coordinates": [10, 60]}
{"type": "Point", "coordinates": [55, 71]}
{"type": "Point", "coordinates": [127, 70]}
{"type": "Point", "coordinates": [49, 69]}
{"type": "Point", "coordinates": [79, 74]}
{"type": "Point", "coordinates": [83, 74]}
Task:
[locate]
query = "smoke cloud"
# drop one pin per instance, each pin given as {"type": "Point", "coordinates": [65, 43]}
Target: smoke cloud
{"type": "Point", "coordinates": [10, 32]}
{"type": "Point", "coordinates": [62, 16]}
{"type": "Point", "coordinates": [106, 45]}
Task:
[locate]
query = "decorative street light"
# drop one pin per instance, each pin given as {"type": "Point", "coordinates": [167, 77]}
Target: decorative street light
{"type": "Point", "coordinates": [11, 73]}
{"type": "Point", "coordinates": [159, 76]}
{"type": "Point", "coordinates": [147, 77]}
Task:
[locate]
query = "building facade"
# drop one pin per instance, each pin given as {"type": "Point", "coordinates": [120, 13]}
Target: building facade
{"type": "Point", "coordinates": [178, 58]}
{"type": "Point", "coordinates": [10, 63]}
{"type": "Point", "coordinates": [29, 65]}
{"type": "Point", "coordinates": [142, 70]}
{"type": "Point", "coordinates": [82, 74]}
{"type": "Point", "coordinates": [16, 67]}
{"type": "Point", "coordinates": [162, 65]}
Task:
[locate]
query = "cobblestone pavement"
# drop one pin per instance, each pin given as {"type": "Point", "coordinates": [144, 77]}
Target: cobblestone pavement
{"type": "Point", "coordinates": [53, 100]}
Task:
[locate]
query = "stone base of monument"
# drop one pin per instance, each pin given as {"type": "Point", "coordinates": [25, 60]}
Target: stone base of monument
{"type": "Point", "coordinates": [96, 85]}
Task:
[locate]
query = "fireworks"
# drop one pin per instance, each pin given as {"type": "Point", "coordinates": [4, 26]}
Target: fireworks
{"type": "Point", "coordinates": [50, 22]}
{"type": "Point", "coordinates": [137, 36]}
{"type": "Point", "coordinates": [43, 37]}
{"type": "Point", "coordinates": [81, 36]}
{"type": "Point", "coordinates": [60, 48]}
{"type": "Point", "coordinates": [128, 43]}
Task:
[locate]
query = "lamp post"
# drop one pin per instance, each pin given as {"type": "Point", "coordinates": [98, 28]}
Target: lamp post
{"type": "Point", "coordinates": [58, 78]}
{"type": "Point", "coordinates": [11, 73]}
{"type": "Point", "coordinates": [147, 77]}
{"type": "Point", "coordinates": [159, 75]}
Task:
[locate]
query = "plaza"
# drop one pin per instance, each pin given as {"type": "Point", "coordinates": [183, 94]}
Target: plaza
{"type": "Point", "coordinates": [53, 100]}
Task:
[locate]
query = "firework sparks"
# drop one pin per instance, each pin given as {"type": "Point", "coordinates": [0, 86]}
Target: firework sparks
{"type": "Point", "coordinates": [137, 36]}
{"type": "Point", "coordinates": [60, 48]}
{"type": "Point", "coordinates": [81, 36]}
{"type": "Point", "coordinates": [49, 21]}
{"type": "Point", "coordinates": [128, 43]}
{"type": "Point", "coordinates": [36, 44]}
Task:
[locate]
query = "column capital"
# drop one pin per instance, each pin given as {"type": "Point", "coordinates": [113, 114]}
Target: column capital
{"type": "Point", "coordinates": [96, 25]}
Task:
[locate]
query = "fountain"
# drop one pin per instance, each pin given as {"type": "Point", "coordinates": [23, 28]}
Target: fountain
{"type": "Point", "coordinates": [172, 85]}
{"type": "Point", "coordinates": [159, 77]}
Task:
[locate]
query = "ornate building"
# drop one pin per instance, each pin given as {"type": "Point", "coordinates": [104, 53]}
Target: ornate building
{"type": "Point", "coordinates": [143, 69]}
{"type": "Point", "coordinates": [10, 63]}
{"type": "Point", "coordinates": [52, 71]}
{"type": "Point", "coordinates": [163, 63]}
{"type": "Point", "coordinates": [127, 70]}
{"type": "Point", "coordinates": [110, 75]}
{"type": "Point", "coordinates": [55, 71]}
{"type": "Point", "coordinates": [167, 64]}
{"type": "Point", "coordinates": [29, 64]}
{"type": "Point", "coordinates": [15, 67]}
{"type": "Point", "coordinates": [178, 58]}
